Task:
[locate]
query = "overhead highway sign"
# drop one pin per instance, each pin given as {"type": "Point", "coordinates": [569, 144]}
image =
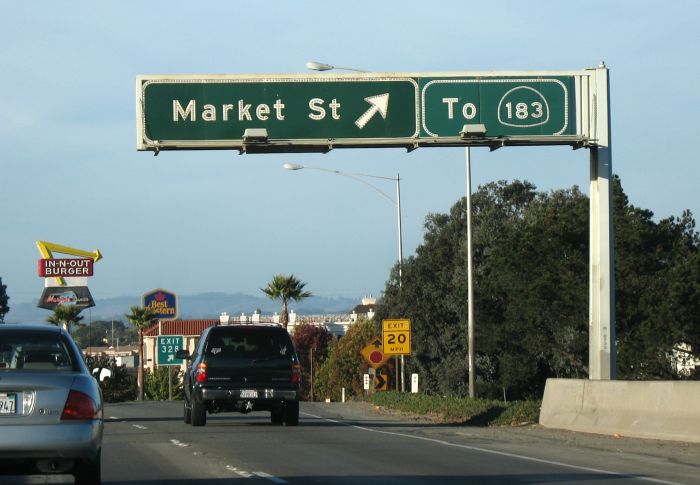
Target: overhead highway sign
{"type": "Point", "coordinates": [321, 112]}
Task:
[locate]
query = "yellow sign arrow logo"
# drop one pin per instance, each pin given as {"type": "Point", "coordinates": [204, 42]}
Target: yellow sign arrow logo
{"type": "Point", "coordinates": [46, 249]}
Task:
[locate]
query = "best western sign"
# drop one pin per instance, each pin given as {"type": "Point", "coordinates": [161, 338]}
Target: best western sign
{"type": "Point", "coordinates": [162, 302]}
{"type": "Point", "coordinates": [66, 267]}
{"type": "Point", "coordinates": [297, 112]}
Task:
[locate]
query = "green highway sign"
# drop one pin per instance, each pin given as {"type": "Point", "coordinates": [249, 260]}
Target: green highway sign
{"type": "Point", "coordinates": [506, 106]}
{"type": "Point", "coordinates": [321, 112]}
{"type": "Point", "coordinates": [168, 345]}
{"type": "Point", "coordinates": [216, 112]}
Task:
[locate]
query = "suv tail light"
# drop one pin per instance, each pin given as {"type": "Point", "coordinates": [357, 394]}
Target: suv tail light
{"type": "Point", "coordinates": [296, 373]}
{"type": "Point", "coordinates": [79, 406]}
{"type": "Point", "coordinates": [201, 375]}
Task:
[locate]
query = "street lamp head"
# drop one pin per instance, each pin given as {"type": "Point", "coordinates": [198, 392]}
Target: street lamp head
{"type": "Point", "coordinates": [322, 66]}
{"type": "Point", "coordinates": [318, 66]}
{"type": "Point", "coordinates": [292, 166]}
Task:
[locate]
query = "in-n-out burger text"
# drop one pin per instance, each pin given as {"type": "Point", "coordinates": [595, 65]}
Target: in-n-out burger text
{"type": "Point", "coordinates": [50, 268]}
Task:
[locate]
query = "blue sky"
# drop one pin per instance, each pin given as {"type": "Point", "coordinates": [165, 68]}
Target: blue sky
{"type": "Point", "coordinates": [193, 222]}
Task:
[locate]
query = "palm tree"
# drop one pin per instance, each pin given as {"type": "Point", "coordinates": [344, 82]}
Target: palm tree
{"type": "Point", "coordinates": [285, 288]}
{"type": "Point", "coordinates": [140, 318]}
{"type": "Point", "coordinates": [65, 316]}
{"type": "Point", "coordinates": [3, 301]}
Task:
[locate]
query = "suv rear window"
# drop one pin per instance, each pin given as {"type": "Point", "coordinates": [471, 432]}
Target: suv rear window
{"type": "Point", "coordinates": [27, 350]}
{"type": "Point", "coordinates": [248, 342]}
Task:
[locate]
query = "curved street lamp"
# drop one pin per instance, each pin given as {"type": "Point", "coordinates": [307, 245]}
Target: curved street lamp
{"type": "Point", "coordinates": [322, 66]}
{"type": "Point", "coordinates": [359, 177]}
{"type": "Point", "coordinates": [396, 202]}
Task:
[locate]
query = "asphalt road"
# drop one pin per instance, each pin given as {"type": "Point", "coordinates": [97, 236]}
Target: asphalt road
{"type": "Point", "coordinates": [354, 443]}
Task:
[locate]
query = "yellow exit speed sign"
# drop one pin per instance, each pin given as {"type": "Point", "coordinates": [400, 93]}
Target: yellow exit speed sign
{"type": "Point", "coordinates": [396, 336]}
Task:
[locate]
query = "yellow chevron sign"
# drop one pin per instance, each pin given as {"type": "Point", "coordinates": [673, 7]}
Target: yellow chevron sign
{"type": "Point", "coordinates": [46, 249]}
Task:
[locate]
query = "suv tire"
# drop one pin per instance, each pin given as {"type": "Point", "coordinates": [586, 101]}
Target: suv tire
{"type": "Point", "coordinates": [198, 413]}
{"type": "Point", "coordinates": [277, 415]}
{"type": "Point", "coordinates": [187, 415]}
{"type": "Point", "coordinates": [291, 413]}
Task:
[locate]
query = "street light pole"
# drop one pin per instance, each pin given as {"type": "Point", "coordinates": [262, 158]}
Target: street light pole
{"type": "Point", "coordinates": [397, 203]}
{"type": "Point", "coordinates": [398, 218]}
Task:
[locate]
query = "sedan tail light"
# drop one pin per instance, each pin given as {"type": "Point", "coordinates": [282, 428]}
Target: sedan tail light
{"type": "Point", "coordinates": [201, 375]}
{"type": "Point", "coordinates": [296, 373]}
{"type": "Point", "coordinates": [79, 406]}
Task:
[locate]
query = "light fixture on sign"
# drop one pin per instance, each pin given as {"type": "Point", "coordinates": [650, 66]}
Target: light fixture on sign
{"type": "Point", "coordinates": [255, 135]}
{"type": "Point", "coordinates": [473, 131]}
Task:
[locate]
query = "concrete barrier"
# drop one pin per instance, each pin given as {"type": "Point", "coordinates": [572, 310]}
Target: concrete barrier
{"type": "Point", "coordinates": [667, 410]}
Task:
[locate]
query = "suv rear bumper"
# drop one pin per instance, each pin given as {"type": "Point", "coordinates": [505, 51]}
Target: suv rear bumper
{"type": "Point", "coordinates": [208, 394]}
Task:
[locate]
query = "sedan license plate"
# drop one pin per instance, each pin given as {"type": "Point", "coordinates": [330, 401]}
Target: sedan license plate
{"type": "Point", "coordinates": [249, 394]}
{"type": "Point", "coordinates": [7, 403]}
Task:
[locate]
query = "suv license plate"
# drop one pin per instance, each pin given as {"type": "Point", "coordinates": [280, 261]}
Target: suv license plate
{"type": "Point", "coordinates": [249, 394]}
{"type": "Point", "coordinates": [7, 403]}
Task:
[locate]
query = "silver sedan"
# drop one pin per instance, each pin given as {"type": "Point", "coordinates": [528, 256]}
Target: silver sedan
{"type": "Point", "coordinates": [51, 416]}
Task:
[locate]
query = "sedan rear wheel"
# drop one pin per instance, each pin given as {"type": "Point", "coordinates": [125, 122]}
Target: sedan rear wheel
{"type": "Point", "coordinates": [89, 472]}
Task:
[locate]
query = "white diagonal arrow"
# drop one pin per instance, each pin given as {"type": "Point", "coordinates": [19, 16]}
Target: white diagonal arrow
{"type": "Point", "coordinates": [380, 103]}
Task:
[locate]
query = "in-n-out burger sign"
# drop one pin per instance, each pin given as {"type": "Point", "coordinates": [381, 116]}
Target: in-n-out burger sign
{"type": "Point", "coordinates": [66, 267]}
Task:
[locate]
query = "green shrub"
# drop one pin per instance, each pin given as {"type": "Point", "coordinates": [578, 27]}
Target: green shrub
{"type": "Point", "coordinates": [156, 383]}
{"type": "Point", "coordinates": [120, 386]}
{"type": "Point", "coordinates": [478, 412]}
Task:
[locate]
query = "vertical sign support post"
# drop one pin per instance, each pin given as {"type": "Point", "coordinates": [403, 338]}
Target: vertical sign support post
{"type": "Point", "coordinates": [602, 347]}
{"type": "Point", "coordinates": [470, 288]}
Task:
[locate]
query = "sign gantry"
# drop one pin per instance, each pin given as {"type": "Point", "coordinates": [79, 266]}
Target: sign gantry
{"type": "Point", "coordinates": [322, 112]}
{"type": "Point", "coordinates": [296, 113]}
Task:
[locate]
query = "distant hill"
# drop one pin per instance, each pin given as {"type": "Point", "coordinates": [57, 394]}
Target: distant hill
{"type": "Point", "coordinates": [203, 305]}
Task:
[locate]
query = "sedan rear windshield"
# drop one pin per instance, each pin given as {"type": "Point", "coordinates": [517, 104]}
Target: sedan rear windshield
{"type": "Point", "coordinates": [35, 351]}
{"type": "Point", "coordinates": [242, 342]}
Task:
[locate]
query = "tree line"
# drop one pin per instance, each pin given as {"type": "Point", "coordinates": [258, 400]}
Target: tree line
{"type": "Point", "coordinates": [531, 277]}
{"type": "Point", "coordinates": [531, 296]}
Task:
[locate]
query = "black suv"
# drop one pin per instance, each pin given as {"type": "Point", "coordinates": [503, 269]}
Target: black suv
{"type": "Point", "coordinates": [243, 368]}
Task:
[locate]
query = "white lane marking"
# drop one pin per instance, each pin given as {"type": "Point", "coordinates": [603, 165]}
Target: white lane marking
{"type": "Point", "coordinates": [179, 443]}
{"type": "Point", "coordinates": [499, 453]}
{"type": "Point", "coordinates": [114, 418]}
{"type": "Point", "coordinates": [272, 478]}
{"type": "Point", "coordinates": [139, 426]}
{"type": "Point", "coordinates": [242, 473]}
